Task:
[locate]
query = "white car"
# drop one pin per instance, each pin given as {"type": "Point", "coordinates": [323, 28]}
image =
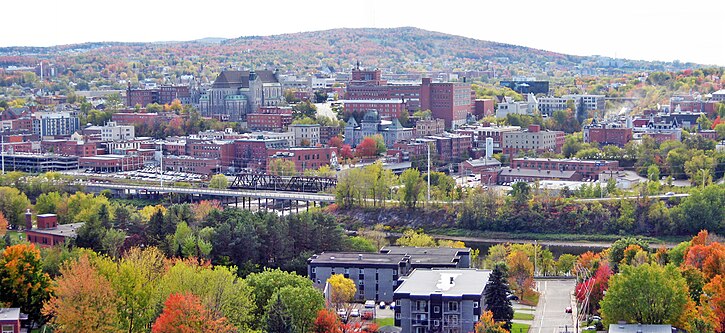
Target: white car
{"type": "Point", "coordinates": [369, 304]}
{"type": "Point", "coordinates": [354, 313]}
{"type": "Point", "coordinates": [342, 313]}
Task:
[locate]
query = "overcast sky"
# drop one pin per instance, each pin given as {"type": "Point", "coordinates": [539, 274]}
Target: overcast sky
{"type": "Point", "coordinates": [692, 30]}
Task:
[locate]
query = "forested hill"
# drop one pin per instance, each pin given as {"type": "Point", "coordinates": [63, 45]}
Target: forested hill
{"type": "Point", "coordinates": [388, 48]}
{"type": "Point", "coordinates": [395, 50]}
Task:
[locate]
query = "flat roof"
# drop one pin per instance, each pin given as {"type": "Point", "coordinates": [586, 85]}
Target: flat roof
{"type": "Point", "coordinates": [67, 230]}
{"type": "Point", "coordinates": [415, 250]}
{"type": "Point", "coordinates": [373, 101]}
{"type": "Point", "coordinates": [355, 258]}
{"type": "Point", "coordinates": [448, 282]}
{"type": "Point", "coordinates": [634, 328]}
{"type": "Point", "coordinates": [537, 173]}
{"type": "Point", "coordinates": [9, 314]}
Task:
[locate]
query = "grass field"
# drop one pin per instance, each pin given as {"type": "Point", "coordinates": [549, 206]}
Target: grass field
{"type": "Point", "coordinates": [385, 321]}
{"type": "Point", "coordinates": [523, 316]}
{"type": "Point", "coordinates": [519, 328]}
{"type": "Point", "coordinates": [530, 298]}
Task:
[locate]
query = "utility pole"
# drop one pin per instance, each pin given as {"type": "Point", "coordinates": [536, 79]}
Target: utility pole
{"type": "Point", "coordinates": [2, 144]}
{"type": "Point", "coordinates": [428, 145]}
{"type": "Point", "coordinates": [535, 256]}
{"type": "Point", "coordinates": [161, 164]}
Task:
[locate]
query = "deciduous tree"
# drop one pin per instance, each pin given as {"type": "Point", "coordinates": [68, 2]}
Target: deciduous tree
{"type": "Point", "coordinates": [219, 181]}
{"type": "Point", "coordinates": [521, 272]}
{"type": "Point", "coordinates": [184, 313]}
{"type": "Point", "coordinates": [486, 324]}
{"type": "Point", "coordinates": [647, 294]}
{"type": "Point", "coordinates": [23, 284]}
{"type": "Point", "coordinates": [342, 290]}
{"type": "Point", "coordinates": [83, 300]}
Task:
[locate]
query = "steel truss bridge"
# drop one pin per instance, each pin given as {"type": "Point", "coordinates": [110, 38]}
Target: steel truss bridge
{"type": "Point", "coordinates": [260, 181]}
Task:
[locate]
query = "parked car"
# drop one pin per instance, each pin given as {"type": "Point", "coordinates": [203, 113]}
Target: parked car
{"type": "Point", "coordinates": [392, 306]}
{"type": "Point", "coordinates": [670, 193]}
{"type": "Point", "coordinates": [354, 313]}
{"type": "Point", "coordinates": [568, 309]}
{"type": "Point", "coordinates": [596, 318]}
{"type": "Point", "coordinates": [382, 305]}
{"type": "Point", "coordinates": [369, 304]}
{"type": "Point", "coordinates": [512, 297]}
{"type": "Point", "coordinates": [342, 313]}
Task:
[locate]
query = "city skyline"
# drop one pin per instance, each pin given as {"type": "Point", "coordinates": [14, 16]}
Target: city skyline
{"type": "Point", "coordinates": [630, 30]}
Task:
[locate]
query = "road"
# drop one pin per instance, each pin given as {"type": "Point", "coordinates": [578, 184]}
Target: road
{"type": "Point", "coordinates": [550, 315]}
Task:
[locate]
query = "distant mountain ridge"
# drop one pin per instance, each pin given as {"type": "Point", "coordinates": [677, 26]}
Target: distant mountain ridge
{"type": "Point", "coordinates": [394, 49]}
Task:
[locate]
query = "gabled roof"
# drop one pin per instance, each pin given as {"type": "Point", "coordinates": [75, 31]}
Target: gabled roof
{"type": "Point", "coordinates": [240, 79]}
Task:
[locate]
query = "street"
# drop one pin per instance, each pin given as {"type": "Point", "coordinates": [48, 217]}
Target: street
{"type": "Point", "coordinates": [550, 315]}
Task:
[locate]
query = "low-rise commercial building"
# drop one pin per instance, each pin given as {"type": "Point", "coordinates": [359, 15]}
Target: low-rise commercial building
{"type": "Point", "coordinates": [39, 163]}
{"type": "Point", "coordinates": [533, 139]}
{"type": "Point", "coordinates": [48, 232]}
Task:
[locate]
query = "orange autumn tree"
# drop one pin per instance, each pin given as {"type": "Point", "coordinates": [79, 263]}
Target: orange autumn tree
{"type": "Point", "coordinates": [710, 259]}
{"type": "Point", "coordinates": [84, 300]}
{"type": "Point", "coordinates": [184, 313]}
{"type": "Point", "coordinates": [521, 272]}
{"type": "Point", "coordinates": [327, 321]}
{"type": "Point", "coordinates": [23, 284]}
{"type": "Point", "coordinates": [715, 291]}
{"type": "Point", "coordinates": [3, 224]}
{"type": "Point", "coordinates": [486, 324]}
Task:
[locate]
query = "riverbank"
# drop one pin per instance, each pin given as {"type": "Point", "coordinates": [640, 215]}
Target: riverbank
{"type": "Point", "coordinates": [593, 241]}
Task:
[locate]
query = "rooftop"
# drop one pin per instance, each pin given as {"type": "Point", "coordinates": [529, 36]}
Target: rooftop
{"type": "Point", "coordinates": [9, 314]}
{"type": "Point", "coordinates": [448, 282]}
{"type": "Point", "coordinates": [638, 328]}
{"type": "Point", "coordinates": [415, 250]}
{"type": "Point", "coordinates": [373, 101]}
{"type": "Point", "coordinates": [67, 230]}
{"type": "Point", "coordinates": [355, 257]}
{"type": "Point", "coordinates": [537, 173]}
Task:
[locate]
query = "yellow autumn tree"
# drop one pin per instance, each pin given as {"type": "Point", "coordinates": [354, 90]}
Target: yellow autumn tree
{"type": "Point", "coordinates": [342, 290]}
{"type": "Point", "coordinates": [486, 324]}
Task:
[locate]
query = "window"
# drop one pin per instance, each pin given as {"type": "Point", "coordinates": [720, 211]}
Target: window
{"type": "Point", "coordinates": [314, 269]}
{"type": "Point", "coordinates": [452, 306]}
{"type": "Point", "coordinates": [8, 329]}
{"type": "Point", "coordinates": [436, 309]}
{"type": "Point", "coordinates": [475, 305]}
{"type": "Point", "coordinates": [436, 323]}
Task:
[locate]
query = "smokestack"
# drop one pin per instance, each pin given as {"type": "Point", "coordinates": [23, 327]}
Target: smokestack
{"type": "Point", "coordinates": [28, 220]}
{"type": "Point", "coordinates": [489, 148]}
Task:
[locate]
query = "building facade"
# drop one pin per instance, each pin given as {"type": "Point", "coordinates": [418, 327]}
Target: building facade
{"type": "Point", "coordinates": [63, 123]}
{"type": "Point", "coordinates": [370, 125]}
{"type": "Point", "coordinates": [306, 134]}
{"type": "Point", "coordinates": [508, 105]}
{"type": "Point", "coordinates": [386, 108]}
{"type": "Point", "coordinates": [533, 139]}
{"type": "Point", "coordinates": [450, 101]}
{"type": "Point", "coordinates": [114, 132]}
{"type": "Point", "coordinates": [440, 300]}
{"type": "Point", "coordinates": [234, 94]}
{"type": "Point", "coordinates": [607, 134]}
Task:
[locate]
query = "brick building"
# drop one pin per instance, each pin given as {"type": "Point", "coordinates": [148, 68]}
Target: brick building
{"type": "Point", "coordinates": [607, 134]}
{"type": "Point", "coordinates": [48, 232]}
{"type": "Point", "coordinates": [480, 133]}
{"type": "Point", "coordinates": [426, 127]}
{"type": "Point", "coordinates": [270, 119]}
{"type": "Point", "coordinates": [161, 95]}
{"type": "Point", "coordinates": [452, 147]}
{"type": "Point", "coordinates": [483, 108]}
{"type": "Point", "coordinates": [450, 101]}
{"type": "Point", "coordinates": [387, 108]}
{"type": "Point", "coordinates": [304, 158]}
{"type": "Point", "coordinates": [69, 147]}
{"type": "Point", "coordinates": [112, 162]}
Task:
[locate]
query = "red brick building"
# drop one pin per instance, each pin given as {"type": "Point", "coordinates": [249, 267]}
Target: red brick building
{"type": "Point", "coordinates": [605, 134]}
{"type": "Point", "coordinates": [203, 166]}
{"type": "Point", "coordinates": [387, 108]}
{"type": "Point", "coordinates": [69, 147]}
{"type": "Point", "coordinates": [219, 150]}
{"type": "Point", "coordinates": [10, 319]}
{"type": "Point", "coordinates": [137, 118]}
{"type": "Point", "coordinates": [160, 95]}
{"type": "Point", "coordinates": [48, 232]}
{"type": "Point", "coordinates": [304, 158]}
{"type": "Point", "coordinates": [112, 162]}
{"type": "Point", "coordinates": [483, 108]}
{"type": "Point", "coordinates": [270, 119]}
{"type": "Point", "coordinates": [449, 101]}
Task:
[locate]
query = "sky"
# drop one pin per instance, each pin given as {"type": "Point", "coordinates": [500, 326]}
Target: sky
{"type": "Point", "coordinates": [688, 31]}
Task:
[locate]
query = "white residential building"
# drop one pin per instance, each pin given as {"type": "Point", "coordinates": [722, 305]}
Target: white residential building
{"type": "Point", "coordinates": [115, 132]}
{"type": "Point", "coordinates": [529, 107]}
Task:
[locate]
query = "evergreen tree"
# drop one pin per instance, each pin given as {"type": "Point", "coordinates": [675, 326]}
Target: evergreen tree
{"type": "Point", "coordinates": [278, 318]}
{"type": "Point", "coordinates": [495, 295]}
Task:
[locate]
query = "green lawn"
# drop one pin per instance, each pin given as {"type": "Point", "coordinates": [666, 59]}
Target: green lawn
{"type": "Point", "coordinates": [385, 321]}
{"type": "Point", "coordinates": [523, 316]}
{"type": "Point", "coordinates": [519, 328]}
{"type": "Point", "coordinates": [14, 234]}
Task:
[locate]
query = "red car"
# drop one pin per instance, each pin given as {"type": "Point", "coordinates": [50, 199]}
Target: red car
{"type": "Point", "coordinates": [568, 309]}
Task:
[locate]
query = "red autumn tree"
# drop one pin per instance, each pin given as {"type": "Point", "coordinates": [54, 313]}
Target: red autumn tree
{"type": "Point", "coordinates": [710, 259]}
{"type": "Point", "coordinates": [327, 321]}
{"type": "Point", "coordinates": [336, 142]}
{"type": "Point", "coordinates": [346, 152]}
{"type": "Point", "coordinates": [3, 225]}
{"type": "Point", "coordinates": [597, 284]}
{"type": "Point", "coordinates": [184, 313]}
{"type": "Point", "coordinates": [367, 148]}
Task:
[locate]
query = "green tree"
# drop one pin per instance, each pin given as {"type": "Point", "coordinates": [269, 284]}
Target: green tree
{"type": "Point", "coordinates": [616, 251]}
{"type": "Point", "coordinates": [302, 303]}
{"type": "Point", "coordinates": [495, 295]}
{"type": "Point", "coordinates": [521, 192]}
{"type": "Point", "coordinates": [48, 203]}
{"type": "Point", "coordinates": [219, 181]}
{"type": "Point", "coordinates": [265, 284]}
{"type": "Point", "coordinates": [412, 189]}
{"type": "Point", "coordinates": [282, 167]}
{"type": "Point", "coordinates": [700, 168]}
{"type": "Point", "coordinates": [13, 205]}
{"type": "Point", "coordinates": [647, 294]}
{"type": "Point", "coordinates": [566, 263]}
{"type": "Point", "coordinates": [279, 318]}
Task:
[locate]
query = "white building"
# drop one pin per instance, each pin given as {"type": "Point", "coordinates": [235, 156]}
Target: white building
{"type": "Point", "coordinates": [548, 105]}
{"type": "Point", "coordinates": [115, 132]}
{"type": "Point", "coordinates": [305, 134]}
{"type": "Point", "coordinates": [529, 107]}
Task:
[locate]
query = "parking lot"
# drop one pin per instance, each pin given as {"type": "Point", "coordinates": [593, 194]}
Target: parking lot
{"type": "Point", "coordinates": [148, 174]}
{"type": "Point", "coordinates": [366, 315]}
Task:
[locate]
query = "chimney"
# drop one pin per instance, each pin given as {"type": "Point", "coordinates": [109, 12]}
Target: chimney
{"type": "Point", "coordinates": [452, 279]}
{"type": "Point", "coordinates": [28, 220]}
